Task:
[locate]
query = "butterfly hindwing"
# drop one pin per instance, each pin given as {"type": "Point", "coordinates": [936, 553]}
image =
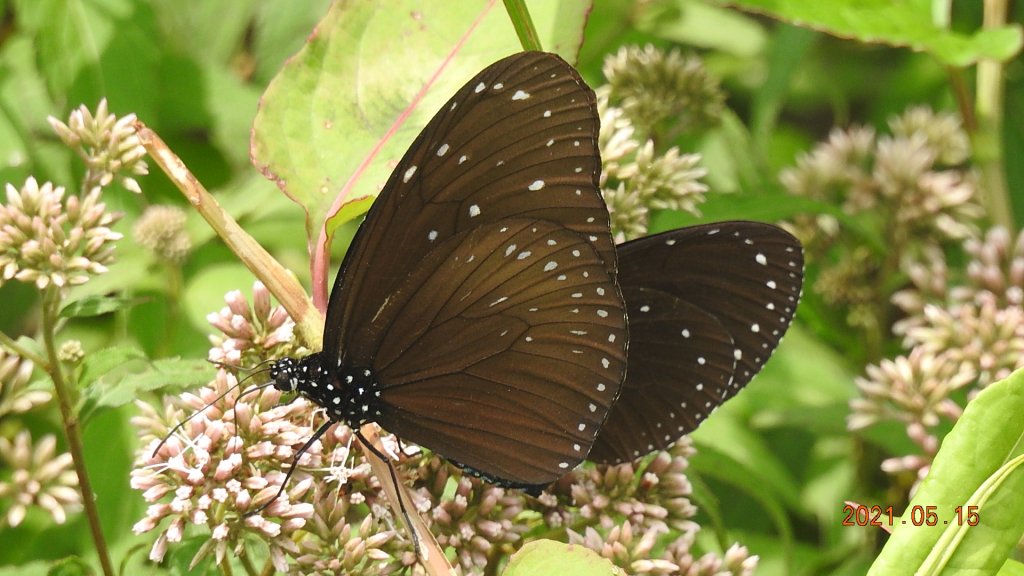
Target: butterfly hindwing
{"type": "Point", "coordinates": [744, 277]}
{"type": "Point", "coordinates": [680, 367]}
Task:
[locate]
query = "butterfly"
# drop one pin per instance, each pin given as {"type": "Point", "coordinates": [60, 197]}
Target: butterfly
{"type": "Point", "coordinates": [707, 305]}
{"type": "Point", "coordinates": [476, 312]}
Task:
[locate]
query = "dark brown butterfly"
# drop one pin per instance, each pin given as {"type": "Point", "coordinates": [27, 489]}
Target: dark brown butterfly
{"type": "Point", "coordinates": [476, 312]}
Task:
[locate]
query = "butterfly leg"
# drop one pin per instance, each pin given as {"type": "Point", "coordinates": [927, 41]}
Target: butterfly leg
{"type": "Point", "coordinates": [394, 479]}
{"type": "Point", "coordinates": [295, 464]}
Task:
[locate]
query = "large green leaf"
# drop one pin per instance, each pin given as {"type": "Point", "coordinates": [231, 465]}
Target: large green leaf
{"type": "Point", "coordinates": [906, 23]}
{"type": "Point", "coordinates": [544, 557]}
{"type": "Point", "coordinates": [979, 464]}
{"type": "Point", "coordinates": [334, 122]}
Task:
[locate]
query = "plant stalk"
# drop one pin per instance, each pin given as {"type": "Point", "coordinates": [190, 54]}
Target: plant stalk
{"type": "Point", "coordinates": [987, 140]}
{"type": "Point", "coordinates": [17, 349]}
{"type": "Point", "coordinates": [519, 15]}
{"type": "Point", "coordinates": [51, 300]}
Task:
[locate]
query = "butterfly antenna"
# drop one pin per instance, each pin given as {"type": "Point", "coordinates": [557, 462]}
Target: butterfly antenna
{"type": "Point", "coordinates": [220, 397]}
{"type": "Point", "coordinates": [295, 464]}
{"type": "Point", "coordinates": [237, 368]}
{"type": "Point", "coordinates": [398, 488]}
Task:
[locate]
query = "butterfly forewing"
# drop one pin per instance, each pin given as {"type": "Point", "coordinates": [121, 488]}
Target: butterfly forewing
{"type": "Point", "coordinates": [747, 276]}
{"type": "Point", "coordinates": [518, 140]}
{"type": "Point", "coordinates": [504, 350]}
{"type": "Point", "coordinates": [476, 311]}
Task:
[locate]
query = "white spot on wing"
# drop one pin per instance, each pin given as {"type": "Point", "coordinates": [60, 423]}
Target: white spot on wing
{"type": "Point", "coordinates": [520, 95]}
{"type": "Point", "coordinates": [408, 174]}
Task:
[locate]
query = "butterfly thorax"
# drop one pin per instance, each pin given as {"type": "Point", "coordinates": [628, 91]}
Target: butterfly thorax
{"type": "Point", "coordinates": [351, 394]}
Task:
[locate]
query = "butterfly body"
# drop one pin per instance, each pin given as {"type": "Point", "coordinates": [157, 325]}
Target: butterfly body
{"type": "Point", "coordinates": [349, 394]}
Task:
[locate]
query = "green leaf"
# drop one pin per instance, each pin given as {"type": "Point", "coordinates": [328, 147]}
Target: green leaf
{"type": "Point", "coordinates": [700, 24]}
{"type": "Point", "coordinates": [71, 566]}
{"type": "Point", "coordinates": [208, 30]}
{"type": "Point", "coordinates": [1012, 568]}
{"type": "Point", "coordinates": [97, 306]}
{"type": "Point", "coordinates": [98, 364]}
{"type": "Point", "coordinates": [79, 23]}
{"type": "Point", "coordinates": [90, 49]}
{"type": "Point", "coordinates": [167, 375]}
{"type": "Point", "coordinates": [37, 568]}
{"type": "Point", "coordinates": [727, 452]}
{"type": "Point", "coordinates": [981, 463]}
{"type": "Point", "coordinates": [281, 29]}
{"type": "Point", "coordinates": [545, 557]}
{"type": "Point", "coordinates": [907, 23]}
{"type": "Point", "coordinates": [334, 122]}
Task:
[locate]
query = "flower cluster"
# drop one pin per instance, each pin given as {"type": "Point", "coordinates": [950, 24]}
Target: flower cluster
{"type": "Point", "coordinates": [250, 335]}
{"type": "Point", "coordinates": [480, 521]}
{"type": "Point", "coordinates": [350, 531]}
{"type": "Point", "coordinates": [161, 230]}
{"type": "Point", "coordinates": [636, 177]}
{"type": "Point", "coordinates": [217, 469]}
{"type": "Point", "coordinates": [628, 510]}
{"type": "Point", "coordinates": [963, 334]}
{"type": "Point", "coordinates": [15, 396]}
{"type": "Point", "coordinates": [908, 187]}
{"type": "Point", "coordinates": [663, 93]}
{"type": "Point", "coordinates": [222, 468]}
{"type": "Point", "coordinates": [39, 476]}
{"type": "Point", "coordinates": [50, 241]}
{"type": "Point", "coordinates": [107, 144]}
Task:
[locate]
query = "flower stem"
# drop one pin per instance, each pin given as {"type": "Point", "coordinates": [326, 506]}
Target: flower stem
{"type": "Point", "coordinates": [22, 352]}
{"type": "Point", "coordinates": [225, 566]}
{"type": "Point", "coordinates": [280, 282]}
{"type": "Point", "coordinates": [51, 301]}
{"type": "Point", "coordinates": [987, 140]}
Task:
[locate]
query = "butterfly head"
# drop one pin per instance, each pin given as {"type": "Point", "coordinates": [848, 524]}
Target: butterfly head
{"type": "Point", "coordinates": [305, 376]}
{"type": "Point", "coordinates": [285, 374]}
